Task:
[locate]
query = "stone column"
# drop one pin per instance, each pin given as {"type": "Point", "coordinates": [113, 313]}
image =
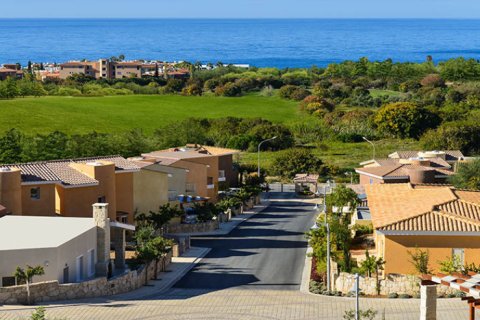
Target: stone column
{"type": "Point", "coordinates": [428, 302]}
{"type": "Point", "coordinates": [118, 238]}
{"type": "Point", "coordinates": [100, 215]}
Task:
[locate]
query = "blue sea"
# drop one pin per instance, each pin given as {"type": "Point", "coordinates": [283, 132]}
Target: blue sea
{"type": "Point", "coordinates": [263, 43]}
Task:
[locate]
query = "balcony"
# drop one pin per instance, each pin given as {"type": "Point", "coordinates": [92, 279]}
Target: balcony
{"type": "Point", "coordinates": [221, 176]}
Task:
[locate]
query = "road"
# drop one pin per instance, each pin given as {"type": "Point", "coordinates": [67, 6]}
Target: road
{"type": "Point", "coordinates": [265, 252]}
{"type": "Point", "coordinates": [251, 274]}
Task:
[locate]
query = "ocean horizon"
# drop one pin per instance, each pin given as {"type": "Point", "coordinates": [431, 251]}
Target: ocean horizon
{"type": "Point", "coordinates": [278, 43]}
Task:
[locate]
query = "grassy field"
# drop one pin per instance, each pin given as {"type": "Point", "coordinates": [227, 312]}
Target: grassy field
{"type": "Point", "coordinates": [343, 155]}
{"type": "Point", "coordinates": [380, 93]}
{"type": "Point", "coordinates": [120, 113]}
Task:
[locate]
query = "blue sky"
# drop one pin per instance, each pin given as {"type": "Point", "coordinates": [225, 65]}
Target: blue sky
{"type": "Point", "coordinates": [240, 8]}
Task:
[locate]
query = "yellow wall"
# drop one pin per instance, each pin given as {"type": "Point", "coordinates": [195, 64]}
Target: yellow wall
{"type": "Point", "coordinates": [45, 206]}
{"type": "Point", "coordinates": [124, 194]}
{"type": "Point", "coordinates": [76, 202]}
{"type": "Point", "coordinates": [197, 174]}
{"type": "Point", "coordinates": [395, 250]}
{"type": "Point", "coordinates": [10, 191]}
{"type": "Point", "coordinates": [150, 190]}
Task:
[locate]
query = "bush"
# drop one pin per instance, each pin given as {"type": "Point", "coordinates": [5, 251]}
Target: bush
{"type": "Point", "coordinates": [228, 90]}
{"type": "Point", "coordinates": [404, 120]}
{"type": "Point", "coordinates": [404, 296]}
{"type": "Point", "coordinates": [292, 161]}
{"type": "Point", "coordinates": [461, 135]}
{"type": "Point", "coordinates": [433, 80]}
{"type": "Point", "coordinates": [393, 295]}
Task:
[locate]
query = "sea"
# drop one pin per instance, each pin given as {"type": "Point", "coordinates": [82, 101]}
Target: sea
{"type": "Point", "coordinates": [281, 43]}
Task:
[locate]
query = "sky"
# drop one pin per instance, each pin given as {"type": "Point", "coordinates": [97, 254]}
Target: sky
{"type": "Point", "coordinates": [239, 9]}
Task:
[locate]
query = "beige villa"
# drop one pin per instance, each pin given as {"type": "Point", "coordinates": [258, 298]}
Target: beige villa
{"type": "Point", "coordinates": [209, 169]}
{"type": "Point", "coordinates": [440, 219]}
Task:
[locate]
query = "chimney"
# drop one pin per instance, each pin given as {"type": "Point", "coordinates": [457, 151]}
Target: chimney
{"type": "Point", "coordinates": [100, 216]}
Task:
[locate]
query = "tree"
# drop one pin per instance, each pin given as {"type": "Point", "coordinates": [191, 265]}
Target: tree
{"type": "Point", "coordinates": [160, 218]}
{"type": "Point", "coordinates": [468, 175]}
{"type": "Point", "coordinates": [26, 276]}
{"type": "Point", "coordinates": [404, 120]}
{"type": "Point", "coordinates": [292, 161]}
{"type": "Point", "coordinates": [461, 135]}
{"type": "Point", "coordinates": [420, 260]}
{"type": "Point", "coordinates": [372, 265]}
{"type": "Point", "coordinates": [8, 88]}
{"type": "Point", "coordinates": [343, 196]}
{"type": "Point", "coordinates": [11, 146]}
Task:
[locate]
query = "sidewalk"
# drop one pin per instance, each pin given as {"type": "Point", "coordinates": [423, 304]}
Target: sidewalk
{"type": "Point", "coordinates": [227, 227]}
{"type": "Point", "coordinates": [175, 271]}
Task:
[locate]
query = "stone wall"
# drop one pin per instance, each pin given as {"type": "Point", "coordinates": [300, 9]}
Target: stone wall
{"type": "Point", "coordinates": [401, 284]}
{"type": "Point", "coordinates": [53, 291]}
{"type": "Point", "coordinates": [193, 228]}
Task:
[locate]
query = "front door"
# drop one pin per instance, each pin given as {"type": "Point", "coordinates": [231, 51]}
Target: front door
{"type": "Point", "coordinates": [66, 278]}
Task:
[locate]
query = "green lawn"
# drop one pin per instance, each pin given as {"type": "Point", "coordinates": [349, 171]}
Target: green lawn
{"type": "Point", "coordinates": [120, 113]}
{"type": "Point", "coordinates": [343, 155]}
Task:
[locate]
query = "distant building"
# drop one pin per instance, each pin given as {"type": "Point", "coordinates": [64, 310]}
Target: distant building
{"type": "Point", "coordinates": [417, 167]}
{"type": "Point", "coordinates": [12, 73]}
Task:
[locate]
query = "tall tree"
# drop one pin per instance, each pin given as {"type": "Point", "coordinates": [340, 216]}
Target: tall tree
{"type": "Point", "coordinates": [26, 275]}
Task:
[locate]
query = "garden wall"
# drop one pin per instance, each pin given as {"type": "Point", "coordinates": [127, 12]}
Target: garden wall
{"type": "Point", "coordinates": [193, 228]}
{"type": "Point", "coordinates": [401, 284]}
{"type": "Point", "coordinates": [53, 291]}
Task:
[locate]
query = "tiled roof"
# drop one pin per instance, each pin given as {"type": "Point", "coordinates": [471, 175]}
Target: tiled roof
{"type": "Point", "coordinates": [400, 170]}
{"type": "Point", "coordinates": [60, 171]}
{"type": "Point", "coordinates": [434, 221]}
{"type": "Point", "coordinates": [6, 70]}
{"type": "Point", "coordinates": [402, 207]}
{"type": "Point", "coordinates": [191, 151]}
{"type": "Point", "coordinates": [390, 203]}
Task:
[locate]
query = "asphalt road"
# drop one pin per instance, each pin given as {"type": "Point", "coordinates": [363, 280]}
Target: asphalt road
{"type": "Point", "coordinates": [265, 252]}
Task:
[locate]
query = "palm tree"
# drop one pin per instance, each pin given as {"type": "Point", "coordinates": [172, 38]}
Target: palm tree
{"type": "Point", "coordinates": [26, 275]}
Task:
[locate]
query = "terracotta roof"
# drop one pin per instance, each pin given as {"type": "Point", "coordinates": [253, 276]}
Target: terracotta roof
{"type": "Point", "coordinates": [74, 64]}
{"type": "Point", "coordinates": [390, 203]}
{"type": "Point", "coordinates": [61, 171]}
{"type": "Point", "coordinates": [189, 152]}
{"type": "Point", "coordinates": [6, 70]}
{"type": "Point", "coordinates": [402, 207]}
{"type": "Point", "coordinates": [400, 170]}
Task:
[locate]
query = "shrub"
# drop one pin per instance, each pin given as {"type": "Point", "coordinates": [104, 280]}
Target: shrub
{"type": "Point", "coordinates": [404, 120]}
{"type": "Point", "coordinates": [432, 80]}
{"type": "Point", "coordinates": [461, 135]}
{"type": "Point", "coordinates": [228, 90]}
{"type": "Point", "coordinates": [292, 161]}
{"type": "Point", "coordinates": [404, 296]}
{"type": "Point", "coordinates": [393, 295]}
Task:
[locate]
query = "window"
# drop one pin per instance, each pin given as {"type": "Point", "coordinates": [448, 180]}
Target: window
{"type": "Point", "coordinates": [35, 193]}
{"type": "Point", "coordinates": [459, 254]}
{"type": "Point", "coordinates": [209, 180]}
{"type": "Point", "coordinates": [371, 181]}
{"type": "Point", "coordinates": [91, 262]}
{"type": "Point", "coordinates": [8, 282]}
{"type": "Point", "coordinates": [102, 199]}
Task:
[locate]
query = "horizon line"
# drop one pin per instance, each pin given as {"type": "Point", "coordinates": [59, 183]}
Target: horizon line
{"type": "Point", "coordinates": [244, 18]}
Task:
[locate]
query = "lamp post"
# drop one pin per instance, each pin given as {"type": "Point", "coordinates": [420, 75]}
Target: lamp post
{"type": "Point", "coordinates": [259, 145]}
{"type": "Point", "coordinates": [373, 145]}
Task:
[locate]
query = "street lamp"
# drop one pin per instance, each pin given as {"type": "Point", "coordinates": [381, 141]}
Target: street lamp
{"type": "Point", "coordinates": [372, 146]}
{"type": "Point", "coordinates": [316, 227]}
{"type": "Point", "coordinates": [259, 145]}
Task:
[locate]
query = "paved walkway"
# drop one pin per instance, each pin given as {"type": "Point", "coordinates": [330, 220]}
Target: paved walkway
{"type": "Point", "coordinates": [183, 304]}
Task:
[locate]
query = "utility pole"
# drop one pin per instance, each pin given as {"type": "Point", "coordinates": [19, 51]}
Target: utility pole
{"type": "Point", "coordinates": [357, 301]}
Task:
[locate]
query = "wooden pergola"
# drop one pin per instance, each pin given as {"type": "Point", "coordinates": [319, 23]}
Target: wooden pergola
{"type": "Point", "coordinates": [468, 283]}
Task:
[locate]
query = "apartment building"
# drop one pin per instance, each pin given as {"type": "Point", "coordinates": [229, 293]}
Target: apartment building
{"type": "Point", "coordinates": [69, 187]}
{"type": "Point", "coordinates": [209, 169]}
{"type": "Point", "coordinates": [12, 73]}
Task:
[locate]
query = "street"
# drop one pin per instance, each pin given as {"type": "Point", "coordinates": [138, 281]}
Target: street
{"type": "Point", "coordinates": [253, 273]}
{"type": "Point", "coordinates": [264, 252]}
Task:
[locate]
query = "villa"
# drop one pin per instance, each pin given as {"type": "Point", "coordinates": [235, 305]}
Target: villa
{"type": "Point", "coordinates": [440, 219]}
